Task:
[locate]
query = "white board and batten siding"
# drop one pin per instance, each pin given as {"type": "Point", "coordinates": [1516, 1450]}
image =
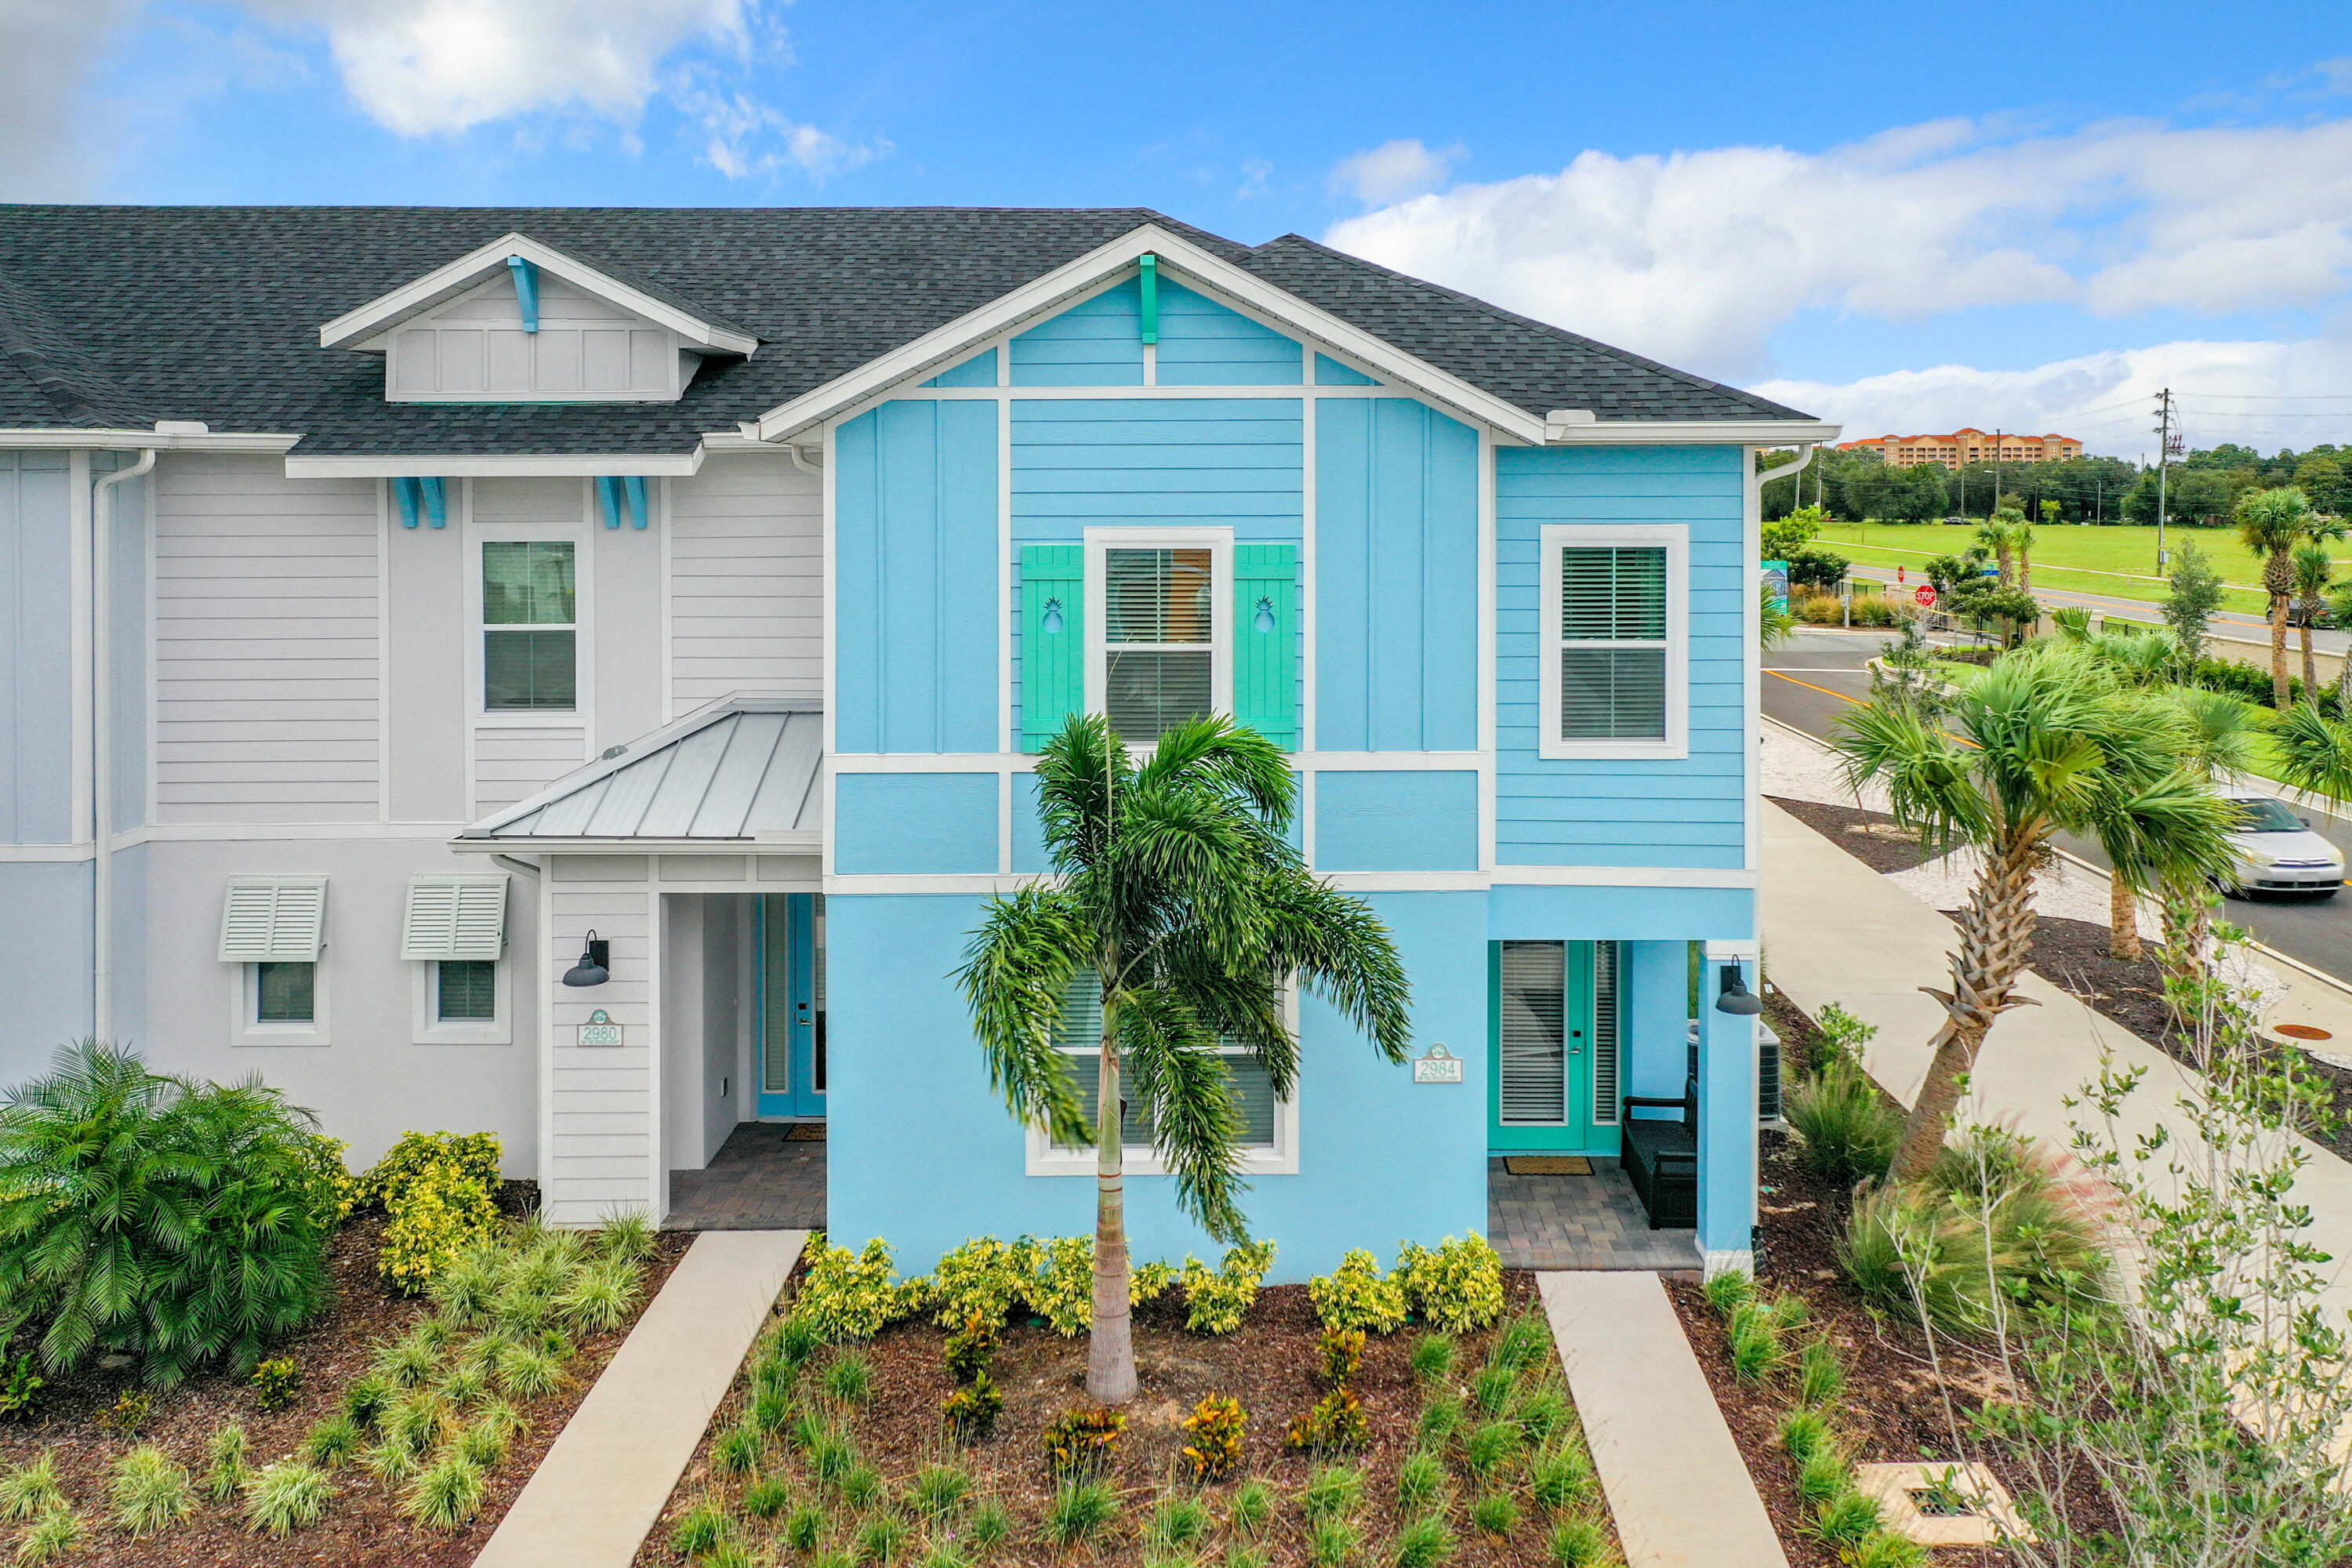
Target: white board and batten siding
{"type": "Point", "coordinates": [266, 662]}
{"type": "Point", "coordinates": [600, 1149]}
{"type": "Point", "coordinates": [747, 581]}
{"type": "Point", "coordinates": [584, 348]}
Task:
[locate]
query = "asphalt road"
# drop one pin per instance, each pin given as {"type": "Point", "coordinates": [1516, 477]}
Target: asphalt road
{"type": "Point", "coordinates": [2235, 623]}
{"type": "Point", "coordinates": [1808, 682]}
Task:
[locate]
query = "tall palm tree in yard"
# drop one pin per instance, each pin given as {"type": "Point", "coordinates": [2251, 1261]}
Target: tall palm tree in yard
{"type": "Point", "coordinates": [2044, 742]}
{"type": "Point", "coordinates": [2270, 523]}
{"type": "Point", "coordinates": [1997, 534]}
{"type": "Point", "coordinates": [2021, 539]}
{"type": "Point", "coordinates": [2312, 567]}
{"type": "Point", "coordinates": [1179, 896]}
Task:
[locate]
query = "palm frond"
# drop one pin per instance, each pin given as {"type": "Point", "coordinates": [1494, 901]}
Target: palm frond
{"type": "Point", "coordinates": [1340, 952]}
{"type": "Point", "coordinates": [2315, 752]}
{"type": "Point", "coordinates": [1179, 1080]}
{"type": "Point", "coordinates": [1927, 775]}
{"type": "Point", "coordinates": [1016, 974]}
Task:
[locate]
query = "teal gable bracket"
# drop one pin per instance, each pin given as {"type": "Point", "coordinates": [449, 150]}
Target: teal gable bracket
{"type": "Point", "coordinates": [636, 486]}
{"type": "Point", "coordinates": [436, 502]}
{"type": "Point", "coordinates": [526, 282]}
{"type": "Point", "coordinates": [408, 496]}
{"type": "Point", "coordinates": [1149, 278]}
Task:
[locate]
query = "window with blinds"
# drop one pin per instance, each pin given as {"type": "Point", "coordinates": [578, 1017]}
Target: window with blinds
{"type": "Point", "coordinates": [1158, 640]}
{"type": "Point", "coordinates": [1612, 652]}
{"type": "Point", "coordinates": [1079, 1040]}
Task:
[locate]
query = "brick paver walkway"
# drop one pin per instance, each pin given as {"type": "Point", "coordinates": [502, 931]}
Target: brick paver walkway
{"type": "Point", "coordinates": [1579, 1222]}
{"type": "Point", "coordinates": [760, 1180]}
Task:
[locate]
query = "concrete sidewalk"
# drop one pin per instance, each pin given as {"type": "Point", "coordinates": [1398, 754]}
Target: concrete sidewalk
{"type": "Point", "coordinates": [603, 1485]}
{"type": "Point", "coordinates": [1835, 931]}
{"type": "Point", "coordinates": [1677, 1488]}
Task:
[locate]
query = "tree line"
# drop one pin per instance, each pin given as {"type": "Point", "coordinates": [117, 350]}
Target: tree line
{"type": "Point", "coordinates": [2203, 490]}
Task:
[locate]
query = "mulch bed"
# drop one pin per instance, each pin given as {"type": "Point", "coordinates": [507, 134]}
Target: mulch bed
{"type": "Point", "coordinates": [363, 1525]}
{"type": "Point", "coordinates": [1269, 1365]}
{"type": "Point", "coordinates": [1870, 836]}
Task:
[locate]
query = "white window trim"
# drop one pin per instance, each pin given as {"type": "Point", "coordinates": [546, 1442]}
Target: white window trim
{"type": "Point", "coordinates": [1219, 543]}
{"type": "Point", "coordinates": [245, 1026]}
{"type": "Point", "coordinates": [1046, 1159]}
{"type": "Point", "coordinates": [581, 714]}
{"type": "Point", "coordinates": [1549, 743]}
{"type": "Point", "coordinates": [431, 1030]}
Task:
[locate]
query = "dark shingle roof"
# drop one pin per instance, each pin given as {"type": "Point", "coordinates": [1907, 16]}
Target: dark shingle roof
{"type": "Point", "coordinates": [117, 316]}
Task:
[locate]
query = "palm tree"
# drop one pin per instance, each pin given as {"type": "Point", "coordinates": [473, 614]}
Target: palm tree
{"type": "Point", "coordinates": [2020, 538]}
{"type": "Point", "coordinates": [2270, 523]}
{"type": "Point", "coordinates": [1996, 534]}
{"type": "Point", "coordinates": [2043, 743]}
{"type": "Point", "coordinates": [2312, 567]}
{"type": "Point", "coordinates": [1177, 893]}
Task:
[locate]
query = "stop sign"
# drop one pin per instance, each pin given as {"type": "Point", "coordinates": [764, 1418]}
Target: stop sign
{"type": "Point", "coordinates": [1926, 595]}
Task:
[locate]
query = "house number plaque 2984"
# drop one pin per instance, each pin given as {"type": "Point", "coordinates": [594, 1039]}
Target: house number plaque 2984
{"type": "Point", "coordinates": [1437, 1064]}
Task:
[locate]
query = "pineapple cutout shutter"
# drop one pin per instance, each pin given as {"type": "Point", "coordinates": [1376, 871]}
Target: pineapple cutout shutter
{"type": "Point", "coordinates": [1052, 639]}
{"type": "Point", "coordinates": [1266, 641]}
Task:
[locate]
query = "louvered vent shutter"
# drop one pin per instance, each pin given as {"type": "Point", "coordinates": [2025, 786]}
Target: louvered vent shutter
{"type": "Point", "coordinates": [1266, 641]}
{"type": "Point", "coordinates": [1607, 1049]}
{"type": "Point", "coordinates": [1052, 639]}
{"type": "Point", "coordinates": [1534, 1013]}
{"type": "Point", "coordinates": [1612, 598]}
{"type": "Point", "coordinates": [273, 920]}
{"type": "Point", "coordinates": [454, 918]}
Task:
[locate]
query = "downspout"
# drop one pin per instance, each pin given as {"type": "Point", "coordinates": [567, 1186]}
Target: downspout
{"type": "Point", "coordinates": [1757, 480]}
{"type": "Point", "coordinates": [802, 463]}
{"type": "Point", "coordinates": [101, 742]}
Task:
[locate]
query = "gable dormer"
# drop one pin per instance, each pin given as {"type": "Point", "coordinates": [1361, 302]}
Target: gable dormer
{"type": "Point", "coordinates": [521, 322]}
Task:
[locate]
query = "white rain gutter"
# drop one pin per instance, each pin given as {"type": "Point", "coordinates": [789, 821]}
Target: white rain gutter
{"type": "Point", "coordinates": [101, 742]}
{"type": "Point", "coordinates": [1757, 481]}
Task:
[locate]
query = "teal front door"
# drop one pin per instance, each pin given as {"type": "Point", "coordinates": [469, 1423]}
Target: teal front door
{"type": "Point", "coordinates": [1554, 1027]}
{"type": "Point", "coordinates": [791, 931]}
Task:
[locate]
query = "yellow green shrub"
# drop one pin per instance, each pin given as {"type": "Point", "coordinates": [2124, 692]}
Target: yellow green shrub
{"type": "Point", "coordinates": [849, 1294]}
{"type": "Point", "coordinates": [439, 1191]}
{"type": "Point", "coordinates": [1059, 1280]}
{"type": "Point", "coordinates": [1457, 1286]}
{"type": "Point", "coordinates": [1357, 1295]}
{"type": "Point", "coordinates": [1216, 1300]}
{"type": "Point", "coordinates": [334, 1189]}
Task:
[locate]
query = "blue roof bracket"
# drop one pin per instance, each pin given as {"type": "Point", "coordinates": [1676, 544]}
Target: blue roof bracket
{"type": "Point", "coordinates": [526, 282]}
{"type": "Point", "coordinates": [436, 502]}
{"type": "Point", "coordinates": [636, 488]}
{"type": "Point", "coordinates": [1149, 278]}
{"type": "Point", "coordinates": [409, 497]}
{"type": "Point", "coordinates": [608, 495]}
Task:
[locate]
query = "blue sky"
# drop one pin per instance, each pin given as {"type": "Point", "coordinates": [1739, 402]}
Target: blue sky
{"type": "Point", "coordinates": [1880, 215]}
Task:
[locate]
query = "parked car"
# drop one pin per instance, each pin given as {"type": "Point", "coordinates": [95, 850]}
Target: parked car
{"type": "Point", "coordinates": [2273, 850]}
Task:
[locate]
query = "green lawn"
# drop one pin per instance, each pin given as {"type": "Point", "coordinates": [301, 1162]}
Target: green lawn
{"type": "Point", "coordinates": [2116, 560]}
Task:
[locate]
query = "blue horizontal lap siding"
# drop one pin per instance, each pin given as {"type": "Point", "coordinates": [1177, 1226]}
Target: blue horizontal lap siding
{"type": "Point", "coordinates": [1329, 372]}
{"type": "Point", "coordinates": [915, 573]}
{"type": "Point", "coordinates": [1183, 462]}
{"type": "Point", "coordinates": [1202, 343]}
{"type": "Point", "coordinates": [979, 370]}
{"type": "Point", "coordinates": [915, 823]}
{"type": "Point", "coordinates": [1096, 342]}
{"type": "Point", "coordinates": [1686, 812]}
{"type": "Point", "coordinates": [1396, 532]}
{"type": "Point", "coordinates": [1399, 821]}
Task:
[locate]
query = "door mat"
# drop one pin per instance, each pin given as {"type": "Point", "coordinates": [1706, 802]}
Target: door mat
{"type": "Point", "coordinates": [1547, 1166]}
{"type": "Point", "coordinates": [805, 1133]}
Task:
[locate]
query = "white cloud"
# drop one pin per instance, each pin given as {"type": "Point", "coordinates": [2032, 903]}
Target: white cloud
{"type": "Point", "coordinates": [48, 51]}
{"type": "Point", "coordinates": [741, 137]}
{"type": "Point", "coordinates": [1394, 170]}
{"type": "Point", "coordinates": [1698, 257]}
{"type": "Point", "coordinates": [2262, 394]}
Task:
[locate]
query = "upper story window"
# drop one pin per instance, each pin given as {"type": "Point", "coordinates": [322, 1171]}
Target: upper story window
{"type": "Point", "coordinates": [1615, 642]}
{"type": "Point", "coordinates": [530, 625]}
{"type": "Point", "coordinates": [1160, 652]}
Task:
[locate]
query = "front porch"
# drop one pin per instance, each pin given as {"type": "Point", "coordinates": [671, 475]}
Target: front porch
{"type": "Point", "coordinates": [768, 1175]}
{"type": "Point", "coordinates": [1579, 1222]}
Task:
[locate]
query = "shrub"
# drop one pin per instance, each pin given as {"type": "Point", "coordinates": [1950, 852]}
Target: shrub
{"type": "Point", "coordinates": [1457, 1286]}
{"type": "Point", "coordinates": [225, 1472]}
{"type": "Point", "coordinates": [282, 1497]}
{"type": "Point", "coordinates": [972, 1349]}
{"type": "Point", "coordinates": [1214, 1433]}
{"type": "Point", "coordinates": [57, 1534]}
{"type": "Point", "coordinates": [1058, 1279]}
{"type": "Point", "coordinates": [1337, 1424]}
{"type": "Point", "coordinates": [331, 1441]}
{"type": "Point", "coordinates": [700, 1530]}
{"type": "Point", "coordinates": [151, 1491]}
{"type": "Point", "coordinates": [1079, 1513]}
{"type": "Point", "coordinates": [1424, 1543]}
{"type": "Point", "coordinates": [1083, 1442]}
{"type": "Point", "coordinates": [1217, 1300]}
{"type": "Point", "coordinates": [173, 1219]}
{"type": "Point", "coordinates": [1561, 1477]}
{"type": "Point", "coordinates": [981, 1279]}
{"type": "Point", "coordinates": [1496, 1513]}
{"type": "Point", "coordinates": [1251, 1508]}
{"type": "Point", "coordinates": [1149, 1283]}
{"type": "Point", "coordinates": [438, 1190]}
{"type": "Point", "coordinates": [1845, 1129]}
{"type": "Point", "coordinates": [969, 1413]}
{"type": "Point", "coordinates": [1358, 1296]}
{"type": "Point", "coordinates": [1343, 1353]}
{"type": "Point", "coordinates": [20, 1385]}
{"type": "Point", "coordinates": [31, 1488]}
{"type": "Point", "coordinates": [1432, 1356]}
{"type": "Point", "coordinates": [850, 1295]}
{"type": "Point", "coordinates": [128, 1412]}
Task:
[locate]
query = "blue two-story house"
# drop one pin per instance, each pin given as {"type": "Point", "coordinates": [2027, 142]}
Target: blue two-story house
{"type": "Point", "coordinates": [577, 673]}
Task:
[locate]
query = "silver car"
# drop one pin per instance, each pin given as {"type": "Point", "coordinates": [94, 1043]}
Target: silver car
{"type": "Point", "coordinates": [2273, 850]}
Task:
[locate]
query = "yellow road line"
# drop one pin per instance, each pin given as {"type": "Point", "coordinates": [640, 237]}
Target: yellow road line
{"type": "Point", "coordinates": [1810, 687]}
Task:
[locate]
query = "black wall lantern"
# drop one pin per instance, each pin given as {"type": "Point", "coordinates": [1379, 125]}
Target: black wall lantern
{"type": "Point", "coordinates": [595, 965]}
{"type": "Point", "coordinates": [1736, 999]}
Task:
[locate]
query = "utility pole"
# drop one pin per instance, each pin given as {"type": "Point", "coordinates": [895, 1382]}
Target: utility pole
{"type": "Point", "coordinates": [1996, 475]}
{"type": "Point", "coordinates": [2167, 443]}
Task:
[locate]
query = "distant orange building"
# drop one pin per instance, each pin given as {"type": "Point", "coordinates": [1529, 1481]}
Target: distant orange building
{"type": "Point", "coordinates": [1968, 444]}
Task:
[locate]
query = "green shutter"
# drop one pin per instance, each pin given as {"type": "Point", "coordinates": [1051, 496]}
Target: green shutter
{"type": "Point", "coordinates": [1266, 641]}
{"type": "Point", "coordinates": [1052, 639]}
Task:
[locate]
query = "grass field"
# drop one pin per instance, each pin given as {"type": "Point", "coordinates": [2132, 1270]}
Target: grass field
{"type": "Point", "coordinates": [2116, 560]}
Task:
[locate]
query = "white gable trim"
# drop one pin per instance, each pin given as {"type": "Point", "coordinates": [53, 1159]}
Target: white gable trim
{"type": "Point", "coordinates": [1186, 263]}
{"type": "Point", "coordinates": [494, 466]}
{"type": "Point", "coordinates": [444, 283]}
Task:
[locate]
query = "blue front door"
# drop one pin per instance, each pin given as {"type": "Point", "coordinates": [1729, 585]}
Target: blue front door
{"type": "Point", "coordinates": [791, 1004]}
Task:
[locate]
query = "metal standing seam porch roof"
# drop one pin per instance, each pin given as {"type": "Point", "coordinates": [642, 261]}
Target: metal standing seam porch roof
{"type": "Point", "coordinates": [745, 772]}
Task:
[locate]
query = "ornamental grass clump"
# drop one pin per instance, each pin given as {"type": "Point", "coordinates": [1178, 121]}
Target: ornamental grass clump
{"type": "Point", "coordinates": [1422, 1484]}
{"type": "Point", "coordinates": [1080, 1511]}
{"type": "Point", "coordinates": [939, 1490]}
{"type": "Point", "coordinates": [26, 1491]}
{"type": "Point", "coordinates": [151, 1489]}
{"type": "Point", "coordinates": [331, 1441]}
{"type": "Point", "coordinates": [1433, 1357]}
{"type": "Point", "coordinates": [447, 1492]}
{"type": "Point", "coordinates": [701, 1529]}
{"type": "Point", "coordinates": [1425, 1542]}
{"type": "Point", "coordinates": [282, 1497]}
{"type": "Point", "coordinates": [1846, 1132]}
{"type": "Point", "coordinates": [1251, 1508]}
{"type": "Point", "coordinates": [224, 1468]}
